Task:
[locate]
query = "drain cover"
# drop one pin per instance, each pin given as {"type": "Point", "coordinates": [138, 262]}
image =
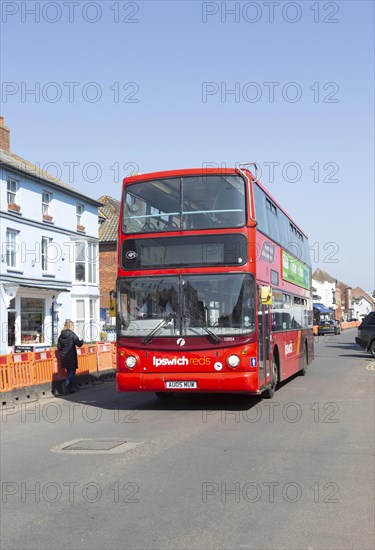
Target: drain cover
{"type": "Point", "coordinates": [93, 445]}
{"type": "Point", "coordinates": [96, 446]}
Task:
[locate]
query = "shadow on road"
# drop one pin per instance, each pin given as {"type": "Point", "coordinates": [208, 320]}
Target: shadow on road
{"type": "Point", "coordinates": [149, 401]}
{"type": "Point", "coordinates": [359, 352]}
{"type": "Point", "coordinates": [144, 401]}
{"type": "Point", "coordinates": [347, 346]}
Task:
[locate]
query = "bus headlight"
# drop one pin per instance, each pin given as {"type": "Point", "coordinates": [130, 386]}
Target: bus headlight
{"type": "Point", "coordinates": [130, 361]}
{"type": "Point", "coordinates": [233, 361]}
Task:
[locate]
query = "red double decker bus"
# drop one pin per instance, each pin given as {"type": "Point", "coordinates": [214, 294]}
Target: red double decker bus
{"type": "Point", "coordinates": [213, 286]}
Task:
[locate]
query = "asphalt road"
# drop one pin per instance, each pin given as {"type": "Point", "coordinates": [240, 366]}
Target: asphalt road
{"type": "Point", "coordinates": [217, 472]}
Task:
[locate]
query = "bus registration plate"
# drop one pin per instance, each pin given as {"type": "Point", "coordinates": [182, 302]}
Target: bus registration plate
{"type": "Point", "coordinates": [181, 384]}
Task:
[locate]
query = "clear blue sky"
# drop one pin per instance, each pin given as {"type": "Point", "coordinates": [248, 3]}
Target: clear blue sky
{"type": "Point", "coordinates": [164, 53]}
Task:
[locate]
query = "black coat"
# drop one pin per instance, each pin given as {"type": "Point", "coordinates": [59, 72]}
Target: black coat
{"type": "Point", "coordinates": [67, 343]}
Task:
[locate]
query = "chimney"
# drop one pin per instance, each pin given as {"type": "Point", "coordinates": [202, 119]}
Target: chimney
{"type": "Point", "coordinates": [4, 136]}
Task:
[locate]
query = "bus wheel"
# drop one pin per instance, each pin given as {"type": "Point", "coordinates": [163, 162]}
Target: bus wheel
{"type": "Point", "coordinates": [164, 394]}
{"type": "Point", "coordinates": [270, 392]}
{"type": "Point", "coordinates": [303, 371]}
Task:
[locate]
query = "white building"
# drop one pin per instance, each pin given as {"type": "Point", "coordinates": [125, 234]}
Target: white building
{"type": "Point", "coordinates": [49, 255]}
{"type": "Point", "coordinates": [362, 303]}
{"type": "Point", "coordinates": [325, 292]}
{"type": "Point", "coordinates": [325, 289]}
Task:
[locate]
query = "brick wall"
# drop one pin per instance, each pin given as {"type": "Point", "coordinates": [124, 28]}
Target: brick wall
{"type": "Point", "coordinates": [108, 270]}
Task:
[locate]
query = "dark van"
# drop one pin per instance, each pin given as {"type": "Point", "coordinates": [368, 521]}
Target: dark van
{"type": "Point", "coordinates": [366, 333]}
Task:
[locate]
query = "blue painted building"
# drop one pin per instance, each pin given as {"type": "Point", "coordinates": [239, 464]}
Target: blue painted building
{"type": "Point", "coordinates": [49, 255]}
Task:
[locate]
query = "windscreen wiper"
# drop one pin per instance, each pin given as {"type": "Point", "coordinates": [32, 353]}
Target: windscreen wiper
{"type": "Point", "coordinates": [163, 322]}
{"type": "Point", "coordinates": [214, 336]}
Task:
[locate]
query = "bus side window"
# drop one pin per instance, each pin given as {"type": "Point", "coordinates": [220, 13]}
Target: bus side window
{"type": "Point", "coordinates": [286, 320]}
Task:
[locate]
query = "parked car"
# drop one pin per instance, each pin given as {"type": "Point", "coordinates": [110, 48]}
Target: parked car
{"type": "Point", "coordinates": [366, 333]}
{"type": "Point", "coordinates": [328, 326]}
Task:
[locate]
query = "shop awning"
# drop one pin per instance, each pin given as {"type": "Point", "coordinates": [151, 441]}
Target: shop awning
{"type": "Point", "coordinates": [36, 284]}
{"type": "Point", "coordinates": [51, 288]}
{"type": "Point", "coordinates": [322, 308]}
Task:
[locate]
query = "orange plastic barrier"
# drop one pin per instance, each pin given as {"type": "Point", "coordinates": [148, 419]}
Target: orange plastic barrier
{"type": "Point", "coordinates": [351, 324]}
{"type": "Point", "coordinates": [106, 356]}
{"type": "Point", "coordinates": [87, 360]}
{"type": "Point", "coordinates": [5, 373]}
{"type": "Point", "coordinates": [18, 370]}
{"type": "Point", "coordinates": [22, 371]}
{"type": "Point", "coordinates": [45, 366]}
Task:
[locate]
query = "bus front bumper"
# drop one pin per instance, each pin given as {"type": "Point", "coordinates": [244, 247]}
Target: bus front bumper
{"type": "Point", "coordinates": [226, 382]}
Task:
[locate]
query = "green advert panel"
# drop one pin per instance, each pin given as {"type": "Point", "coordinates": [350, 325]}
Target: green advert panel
{"type": "Point", "coordinates": [295, 271]}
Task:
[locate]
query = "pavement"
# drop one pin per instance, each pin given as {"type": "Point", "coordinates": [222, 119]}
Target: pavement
{"type": "Point", "coordinates": [104, 470]}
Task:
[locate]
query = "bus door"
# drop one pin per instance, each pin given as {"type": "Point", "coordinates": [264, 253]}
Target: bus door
{"type": "Point", "coordinates": [264, 348]}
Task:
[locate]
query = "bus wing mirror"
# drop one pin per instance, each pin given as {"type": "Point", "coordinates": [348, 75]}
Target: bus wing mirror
{"type": "Point", "coordinates": [266, 295]}
{"type": "Point", "coordinates": [112, 304]}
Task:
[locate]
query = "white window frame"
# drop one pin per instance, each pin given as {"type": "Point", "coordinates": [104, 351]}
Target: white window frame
{"type": "Point", "coordinates": [92, 263]}
{"type": "Point", "coordinates": [83, 262]}
{"type": "Point", "coordinates": [80, 321]}
{"type": "Point", "coordinates": [12, 190]}
{"type": "Point", "coordinates": [46, 203]}
{"type": "Point", "coordinates": [46, 267]}
{"type": "Point", "coordinates": [89, 262]}
{"type": "Point", "coordinates": [11, 247]}
{"type": "Point", "coordinates": [79, 212]}
{"type": "Point", "coordinates": [93, 319]}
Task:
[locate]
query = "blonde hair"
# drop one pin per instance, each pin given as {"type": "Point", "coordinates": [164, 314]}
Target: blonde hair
{"type": "Point", "coordinates": [69, 325]}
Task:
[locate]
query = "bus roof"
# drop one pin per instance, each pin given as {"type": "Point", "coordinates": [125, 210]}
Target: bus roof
{"type": "Point", "coordinates": [206, 171]}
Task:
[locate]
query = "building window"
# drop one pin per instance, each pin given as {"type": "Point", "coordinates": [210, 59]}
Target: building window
{"type": "Point", "coordinates": [11, 247]}
{"type": "Point", "coordinates": [79, 209]}
{"type": "Point", "coordinates": [46, 203]}
{"type": "Point", "coordinates": [32, 316]}
{"type": "Point", "coordinates": [45, 262]}
{"type": "Point", "coordinates": [80, 318]}
{"type": "Point", "coordinates": [12, 186]}
{"type": "Point", "coordinates": [80, 262]}
{"type": "Point", "coordinates": [92, 262]}
{"type": "Point", "coordinates": [86, 262]}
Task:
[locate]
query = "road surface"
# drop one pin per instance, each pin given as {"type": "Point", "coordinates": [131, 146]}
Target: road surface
{"type": "Point", "coordinates": [104, 470]}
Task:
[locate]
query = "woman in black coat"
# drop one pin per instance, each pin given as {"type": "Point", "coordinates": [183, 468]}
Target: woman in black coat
{"type": "Point", "coordinates": [67, 343]}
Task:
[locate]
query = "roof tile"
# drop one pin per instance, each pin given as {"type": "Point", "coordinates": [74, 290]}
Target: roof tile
{"type": "Point", "coordinates": [109, 211]}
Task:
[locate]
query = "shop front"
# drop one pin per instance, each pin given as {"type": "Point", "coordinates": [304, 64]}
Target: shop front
{"type": "Point", "coordinates": [33, 313]}
{"type": "Point", "coordinates": [31, 320]}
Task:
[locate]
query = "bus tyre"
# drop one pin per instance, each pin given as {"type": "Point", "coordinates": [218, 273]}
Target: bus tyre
{"type": "Point", "coordinates": [372, 348]}
{"type": "Point", "coordinates": [303, 371]}
{"type": "Point", "coordinates": [270, 392]}
{"type": "Point", "coordinates": [164, 394]}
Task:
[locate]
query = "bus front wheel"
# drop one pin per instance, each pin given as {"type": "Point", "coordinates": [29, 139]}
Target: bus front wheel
{"type": "Point", "coordinates": [270, 392]}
